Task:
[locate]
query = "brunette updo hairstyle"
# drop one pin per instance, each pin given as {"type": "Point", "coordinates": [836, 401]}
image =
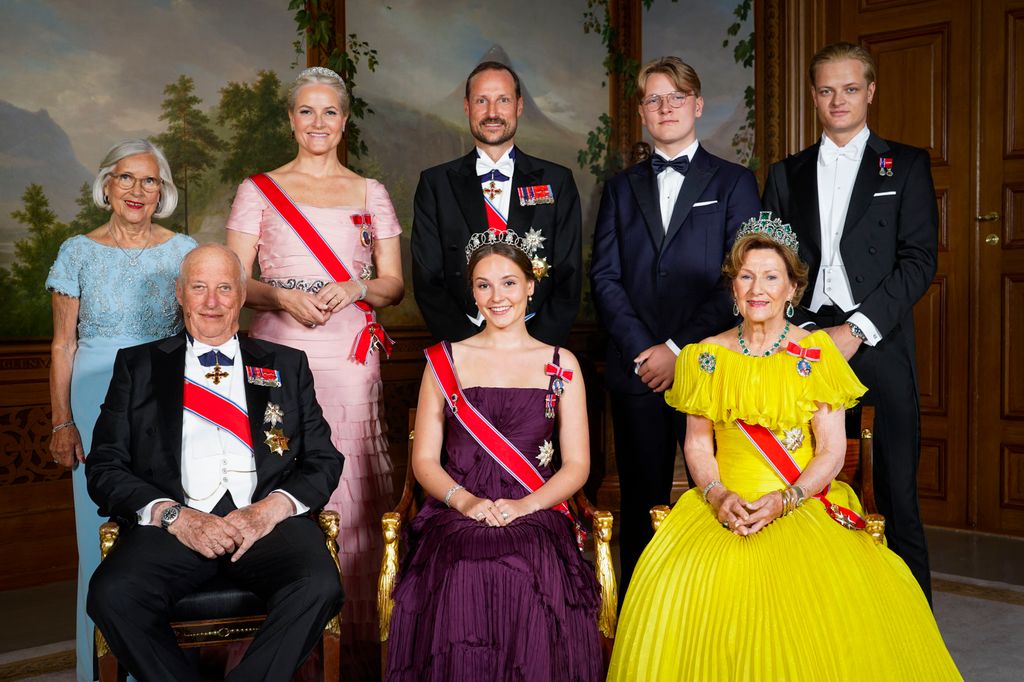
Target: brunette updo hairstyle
{"type": "Point", "coordinates": [499, 249]}
{"type": "Point", "coordinates": [796, 269]}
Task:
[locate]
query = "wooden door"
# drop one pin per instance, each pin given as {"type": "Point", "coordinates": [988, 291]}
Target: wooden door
{"type": "Point", "coordinates": [997, 248]}
{"type": "Point", "coordinates": [922, 52]}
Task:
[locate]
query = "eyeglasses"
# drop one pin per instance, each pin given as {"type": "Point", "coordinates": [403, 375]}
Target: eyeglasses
{"type": "Point", "coordinates": [127, 181]}
{"type": "Point", "coordinates": [674, 99]}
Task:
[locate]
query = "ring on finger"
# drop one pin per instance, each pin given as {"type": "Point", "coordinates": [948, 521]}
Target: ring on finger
{"type": "Point", "coordinates": [504, 515]}
{"type": "Point", "coordinates": [479, 516]}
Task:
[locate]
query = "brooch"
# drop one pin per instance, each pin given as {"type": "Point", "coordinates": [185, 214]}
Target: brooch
{"type": "Point", "coordinates": [536, 194]}
{"type": "Point", "coordinates": [263, 376]}
{"type": "Point", "coordinates": [274, 414]}
{"type": "Point", "coordinates": [707, 362]}
{"type": "Point", "coordinates": [885, 165]}
{"type": "Point", "coordinates": [276, 441]}
{"type": "Point", "coordinates": [547, 451]}
{"type": "Point", "coordinates": [793, 438]}
{"type": "Point", "coordinates": [804, 357]}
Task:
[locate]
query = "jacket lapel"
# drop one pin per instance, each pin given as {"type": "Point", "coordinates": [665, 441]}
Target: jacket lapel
{"type": "Point", "coordinates": [805, 186]}
{"type": "Point", "coordinates": [867, 183]}
{"type": "Point", "coordinates": [168, 368]}
{"type": "Point", "coordinates": [468, 195]}
{"type": "Point", "coordinates": [520, 218]}
{"type": "Point", "coordinates": [645, 191]}
{"type": "Point", "coordinates": [256, 399]}
{"type": "Point", "coordinates": [697, 179]}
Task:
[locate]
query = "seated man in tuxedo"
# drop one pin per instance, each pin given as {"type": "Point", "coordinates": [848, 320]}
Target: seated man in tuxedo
{"type": "Point", "coordinates": [213, 449]}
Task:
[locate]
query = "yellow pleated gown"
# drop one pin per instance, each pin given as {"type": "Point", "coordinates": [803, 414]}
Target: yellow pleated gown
{"type": "Point", "coordinates": [803, 599]}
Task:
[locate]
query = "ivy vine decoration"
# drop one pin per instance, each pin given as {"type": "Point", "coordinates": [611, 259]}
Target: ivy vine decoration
{"type": "Point", "coordinates": [315, 23]}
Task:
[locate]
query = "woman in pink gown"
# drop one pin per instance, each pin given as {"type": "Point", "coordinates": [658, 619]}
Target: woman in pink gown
{"type": "Point", "coordinates": [300, 304]}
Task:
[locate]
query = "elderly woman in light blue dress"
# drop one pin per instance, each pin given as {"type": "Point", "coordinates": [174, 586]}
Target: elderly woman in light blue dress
{"type": "Point", "coordinates": [112, 288]}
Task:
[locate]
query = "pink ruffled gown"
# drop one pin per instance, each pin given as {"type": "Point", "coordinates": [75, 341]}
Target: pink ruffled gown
{"type": "Point", "coordinates": [349, 393]}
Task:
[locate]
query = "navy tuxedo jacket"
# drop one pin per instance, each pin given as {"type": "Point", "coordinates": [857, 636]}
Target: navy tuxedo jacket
{"type": "Point", "coordinates": [136, 447]}
{"type": "Point", "coordinates": [890, 236]}
{"type": "Point", "coordinates": [651, 285]}
{"type": "Point", "coordinates": [449, 207]}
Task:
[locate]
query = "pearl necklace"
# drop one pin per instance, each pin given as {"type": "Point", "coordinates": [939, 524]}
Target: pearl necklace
{"type": "Point", "coordinates": [775, 346]}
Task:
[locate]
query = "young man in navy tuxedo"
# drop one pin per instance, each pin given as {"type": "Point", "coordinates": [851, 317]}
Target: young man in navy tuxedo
{"type": "Point", "coordinates": [864, 211]}
{"type": "Point", "coordinates": [663, 229]}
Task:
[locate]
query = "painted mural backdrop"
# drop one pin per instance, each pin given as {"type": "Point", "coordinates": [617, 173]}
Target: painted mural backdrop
{"type": "Point", "coordinates": [205, 81]}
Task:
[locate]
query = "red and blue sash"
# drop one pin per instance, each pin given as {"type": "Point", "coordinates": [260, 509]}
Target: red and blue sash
{"type": "Point", "coordinates": [495, 221]}
{"type": "Point", "coordinates": [485, 434]}
{"type": "Point", "coordinates": [373, 334]}
{"type": "Point", "coordinates": [218, 410]}
{"type": "Point", "coordinates": [768, 444]}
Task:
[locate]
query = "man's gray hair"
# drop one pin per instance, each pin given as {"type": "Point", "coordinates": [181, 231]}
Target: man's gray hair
{"type": "Point", "coordinates": [133, 147]}
{"type": "Point", "coordinates": [186, 262]}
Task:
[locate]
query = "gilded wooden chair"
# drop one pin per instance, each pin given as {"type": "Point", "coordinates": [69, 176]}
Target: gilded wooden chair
{"type": "Point", "coordinates": [857, 472]}
{"type": "Point", "coordinates": [220, 613]}
{"type": "Point", "coordinates": [412, 496]}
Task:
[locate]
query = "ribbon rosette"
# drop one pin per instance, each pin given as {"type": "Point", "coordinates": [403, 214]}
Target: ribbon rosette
{"type": "Point", "coordinates": [805, 356]}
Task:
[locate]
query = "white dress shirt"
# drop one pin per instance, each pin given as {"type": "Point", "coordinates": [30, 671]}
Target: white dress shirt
{"type": "Point", "coordinates": [837, 171]}
{"type": "Point", "coordinates": [670, 181]}
{"type": "Point", "coordinates": [506, 165]}
{"type": "Point", "coordinates": [213, 461]}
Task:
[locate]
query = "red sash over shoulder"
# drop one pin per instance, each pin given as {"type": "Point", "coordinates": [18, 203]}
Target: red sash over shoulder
{"type": "Point", "coordinates": [489, 438]}
{"type": "Point", "coordinates": [373, 334]}
{"type": "Point", "coordinates": [217, 410]}
{"type": "Point", "coordinates": [768, 444]}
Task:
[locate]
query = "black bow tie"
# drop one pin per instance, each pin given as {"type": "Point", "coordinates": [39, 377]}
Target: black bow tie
{"type": "Point", "coordinates": [680, 164]}
{"type": "Point", "coordinates": [215, 357]}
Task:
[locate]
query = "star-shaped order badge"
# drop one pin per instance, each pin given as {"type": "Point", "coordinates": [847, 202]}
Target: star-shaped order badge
{"type": "Point", "coordinates": [276, 441]}
{"type": "Point", "coordinates": [274, 414]}
{"type": "Point", "coordinates": [547, 451]}
{"type": "Point", "coordinates": [794, 438]}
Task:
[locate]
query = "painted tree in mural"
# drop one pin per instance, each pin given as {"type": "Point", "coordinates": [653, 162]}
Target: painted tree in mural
{"type": "Point", "coordinates": [27, 311]}
{"type": "Point", "coordinates": [260, 136]}
{"type": "Point", "coordinates": [189, 142]}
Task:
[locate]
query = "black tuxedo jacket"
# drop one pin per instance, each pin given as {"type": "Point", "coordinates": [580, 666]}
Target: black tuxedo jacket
{"type": "Point", "coordinates": [651, 285]}
{"type": "Point", "coordinates": [890, 236]}
{"type": "Point", "coordinates": [136, 447]}
{"type": "Point", "coordinates": [449, 207]}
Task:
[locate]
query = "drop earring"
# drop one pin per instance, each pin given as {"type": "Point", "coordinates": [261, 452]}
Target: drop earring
{"type": "Point", "coordinates": [735, 309]}
{"type": "Point", "coordinates": [789, 309]}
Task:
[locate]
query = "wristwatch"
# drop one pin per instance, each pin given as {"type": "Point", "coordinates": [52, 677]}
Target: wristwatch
{"type": "Point", "coordinates": [169, 515]}
{"type": "Point", "coordinates": [856, 331]}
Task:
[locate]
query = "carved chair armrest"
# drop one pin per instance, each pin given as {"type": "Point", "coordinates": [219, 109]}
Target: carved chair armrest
{"type": "Point", "coordinates": [391, 524]}
{"type": "Point", "coordinates": [658, 515]}
{"type": "Point", "coordinates": [109, 532]}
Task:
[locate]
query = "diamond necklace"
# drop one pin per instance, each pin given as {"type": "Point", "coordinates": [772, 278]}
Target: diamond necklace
{"type": "Point", "coordinates": [775, 346]}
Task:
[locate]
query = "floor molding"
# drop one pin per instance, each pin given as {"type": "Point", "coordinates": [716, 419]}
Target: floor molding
{"type": "Point", "coordinates": [39, 665]}
{"type": "Point", "coordinates": [979, 589]}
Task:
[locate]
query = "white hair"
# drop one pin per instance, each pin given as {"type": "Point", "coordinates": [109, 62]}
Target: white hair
{"type": "Point", "coordinates": [133, 147]}
{"type": "Point", "coordinates": [201, 250]}
{"type": "Point", "coordinates": [319, 75]}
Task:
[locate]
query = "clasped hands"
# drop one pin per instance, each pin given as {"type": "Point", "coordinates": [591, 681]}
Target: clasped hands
{"type": "Point", "coordinates": [214, 536]}
{"type": "Point", "coordinates": [316, 309]}
{"type": "Point", "coordinates": [656, 367]}
{"type": "Point", "coordinates": [494, 513]}
{"type": "Point", "coordinates": [742, 517]}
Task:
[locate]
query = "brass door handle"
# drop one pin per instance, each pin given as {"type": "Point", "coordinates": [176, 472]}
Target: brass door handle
{"type": "Point", "coordinates": [992, 240]}
{"type": "Point", "coordinates": [988, 217]}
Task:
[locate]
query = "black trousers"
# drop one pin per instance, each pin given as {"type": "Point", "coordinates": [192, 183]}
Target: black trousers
{"type": "Point", "coordinates": [647, 432]}
{"type": "Point", "coordinates": [888, 370]}
{"type": "Point", "coordinates": [132, 593]}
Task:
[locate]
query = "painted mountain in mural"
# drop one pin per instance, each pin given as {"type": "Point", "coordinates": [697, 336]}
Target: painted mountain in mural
{"type": "Point", "coordinates": [33, 148]}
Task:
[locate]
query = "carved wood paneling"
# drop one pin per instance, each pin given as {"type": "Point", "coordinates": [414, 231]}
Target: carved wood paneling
{"type": "Point", "coordinates": [1013, 216]}
{"type": "Point", "coordinates": [1013, 346]}
{"type": "Point", "coordinates": [942, 206]}
{"type": "Point", "coordinates": [931, 474]}
{"type": "Point", "coordinates": [1012, 477]}
{"type": "Point", "coordinates": [875, 5]}
{"type": "Point", "coordinates": [913, 106]}
{"type": "Point", "coordinates": [930, 317]}
{"type": "Point", "coordinates": [1013, 133]}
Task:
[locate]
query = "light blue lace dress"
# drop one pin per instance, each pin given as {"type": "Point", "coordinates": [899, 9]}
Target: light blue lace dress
{"type": "Point", "coordinates": [125, 298]}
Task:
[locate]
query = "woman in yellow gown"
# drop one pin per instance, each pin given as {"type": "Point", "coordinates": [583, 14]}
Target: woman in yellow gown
{"type": "Point", "coordinates": [749, 578]}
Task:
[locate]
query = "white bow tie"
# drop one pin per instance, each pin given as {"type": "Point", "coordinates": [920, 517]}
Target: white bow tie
{"type": "Point", "coordinates": [485, 165]}
{"type": "Point", "coordinates": [828, 153]}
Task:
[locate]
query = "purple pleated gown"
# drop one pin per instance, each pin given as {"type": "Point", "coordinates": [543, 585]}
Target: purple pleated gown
{"type": "Point", "coordinates": [472, 602]}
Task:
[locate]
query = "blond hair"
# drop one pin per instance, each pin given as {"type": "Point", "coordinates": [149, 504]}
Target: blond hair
{"type": "Point", "coordinates": [682, 75]}
{"type": "Point", "coordinates": [839, 51]}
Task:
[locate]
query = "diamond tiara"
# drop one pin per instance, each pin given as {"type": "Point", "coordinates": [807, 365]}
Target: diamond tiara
{"type": "Point", "coordinates": [529, 244]}
{"type": "Point", "coordinates": [773, 228]}
{"type": "Point", "coordinates": [320, 71]}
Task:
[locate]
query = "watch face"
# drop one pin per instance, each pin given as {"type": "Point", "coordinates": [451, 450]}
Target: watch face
{"type": "Point", "coordinates": [169, 515]}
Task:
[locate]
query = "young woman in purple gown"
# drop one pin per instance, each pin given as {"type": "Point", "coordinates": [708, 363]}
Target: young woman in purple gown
{"type": "Point", "coordinates": [494, 586]}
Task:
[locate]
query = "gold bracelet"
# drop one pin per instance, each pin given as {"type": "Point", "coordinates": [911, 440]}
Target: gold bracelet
{"type": "Point", "coordinates": [58, 427]}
